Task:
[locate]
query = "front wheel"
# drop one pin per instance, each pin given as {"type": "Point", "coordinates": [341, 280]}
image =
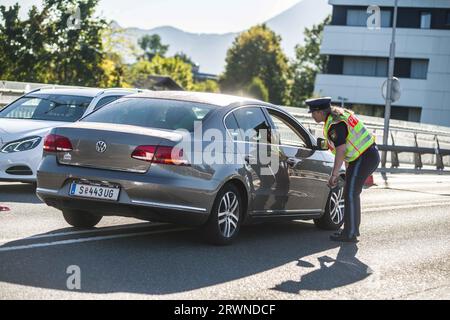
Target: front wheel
{"type": "Point", "coordinates": [334, 211]}
{"type": "Point", "coordinates": [226, 215]}
{"type": "Point", "coordinates": [81, 219]}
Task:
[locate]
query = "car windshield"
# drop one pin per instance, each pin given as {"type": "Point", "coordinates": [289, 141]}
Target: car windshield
{"type": "Point", "coordinates": [49, 107]}
{"type": "Point", "coordinates": [152, 113]}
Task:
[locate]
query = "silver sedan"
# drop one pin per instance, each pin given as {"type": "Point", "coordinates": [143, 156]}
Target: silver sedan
{"type": "Point", "coordinates": [208, 160]}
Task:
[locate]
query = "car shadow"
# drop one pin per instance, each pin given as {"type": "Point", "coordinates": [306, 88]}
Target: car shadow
{"type": "Point", "coordinates": [18, 193]}
{"type": "Point", "coordinates": [167, 263]}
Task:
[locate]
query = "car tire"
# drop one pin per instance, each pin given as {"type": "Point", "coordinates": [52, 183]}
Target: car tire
{"type": "Point", "coordinates": [81, 219]}
{"type": "Point", "coordinates": [333, 218]}
{"type": "Point", "coordinates": [223, 225]}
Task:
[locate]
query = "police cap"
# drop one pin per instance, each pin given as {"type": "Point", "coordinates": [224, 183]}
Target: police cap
{"type": "Point", "coordinates": [318, 104]}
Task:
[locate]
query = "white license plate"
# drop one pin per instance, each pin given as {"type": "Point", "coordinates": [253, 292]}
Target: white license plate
{"type": "Point", "coordinates": [96, 192]}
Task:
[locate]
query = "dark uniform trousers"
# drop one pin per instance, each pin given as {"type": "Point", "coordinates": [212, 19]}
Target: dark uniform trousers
{"type": "Point", "coordinates": [356, 175]}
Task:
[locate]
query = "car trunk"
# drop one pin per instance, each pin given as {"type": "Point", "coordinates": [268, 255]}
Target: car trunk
{"type": "Point", "coordinates": [110, 146]}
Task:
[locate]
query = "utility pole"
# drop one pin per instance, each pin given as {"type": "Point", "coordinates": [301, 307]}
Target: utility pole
{"type": "Point", "coordinates": [387, 111]}
{"type": "Point", "coordinates": [343, 100]}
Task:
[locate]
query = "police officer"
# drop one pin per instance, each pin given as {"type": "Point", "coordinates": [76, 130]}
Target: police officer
{"type": "Point", "coordinates": [350, 142]}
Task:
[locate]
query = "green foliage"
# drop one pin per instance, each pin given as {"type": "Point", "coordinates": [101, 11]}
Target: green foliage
{"type": "Point", "coordinates": [113, 65]}
{"type": "Point", "coordinates": [206, 86]}
{"type": "Point", "coordinates": [175, 68]}
{"type": "Point", "coordinates": [257, 90]}
{"type": "Point", "coordinates": [44, 47]}
{"type": "Point", "coordinates": [307, 64]}
{"type": "Point", "coordinates": [152, 46]}
{"type": "Point", "coordinates": [257, 53]}
{"type": "Point", "coordinates": [184, 57]}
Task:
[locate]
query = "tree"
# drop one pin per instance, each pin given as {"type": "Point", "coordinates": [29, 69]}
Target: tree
{"type": "Point", "coordinates": [257, 53]}
{"type": "Point", "coordinates": [114, 43]}
{"type": "Point", "coordinates": [257, 90]}
{"type": "Point", "coordinates": [307, 64]}
{"type": "Point", "coordinates": [152, 46]}
{"type": "Point", "coordinates": [45, 47]}
{"type": "Point", "coordinates": [77, 53]}
{"type": "Point", "coordinates": [22, 53]}
{"type": "Point", "coordinates": [184, 57]}
{"type": "Point", "coordinates": [206, 86]}
{"type": "Point", "coordinates": [175, 68]}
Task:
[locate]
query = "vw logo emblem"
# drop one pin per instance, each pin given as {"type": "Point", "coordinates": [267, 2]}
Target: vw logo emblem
{"type": "Point", "coordinates": [101, 146]}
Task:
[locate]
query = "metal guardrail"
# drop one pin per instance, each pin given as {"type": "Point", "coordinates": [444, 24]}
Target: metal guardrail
{"type": "Point", "coordinates": [395, 150]}
{"type": "Point", "coordinates": [418, 165]}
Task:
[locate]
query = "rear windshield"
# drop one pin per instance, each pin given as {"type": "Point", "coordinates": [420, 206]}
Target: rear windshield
{"type": "Point", "coordinates": [47, 107]}
{"type": "Point", "coordinates": [152, 113]}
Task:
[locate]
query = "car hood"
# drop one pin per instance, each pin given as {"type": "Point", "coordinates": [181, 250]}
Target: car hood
{"type": "Point", "coordinates": [14, 129]}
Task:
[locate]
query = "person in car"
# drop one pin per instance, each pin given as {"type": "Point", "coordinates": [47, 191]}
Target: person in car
{"type": "Point", "coordinates": [351, 142]}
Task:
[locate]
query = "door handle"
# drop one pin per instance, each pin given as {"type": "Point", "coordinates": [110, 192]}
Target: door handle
{"type": "Point", "coordinates": [249, 159]}
{"type": "Point", "coordinates": [292, 161]}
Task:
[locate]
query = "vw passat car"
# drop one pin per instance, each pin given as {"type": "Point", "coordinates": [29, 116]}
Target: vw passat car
{"type": "Point", "coordinates": [25, 122]}
{"type": "Point", "coordinates": [208, 160]}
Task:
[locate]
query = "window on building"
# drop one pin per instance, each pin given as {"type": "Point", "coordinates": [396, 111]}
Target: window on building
{"type": "Point", "coordinates": [419, 69]}
{"type": "Point", "coordinates": [365, 66]}
{"type": "Point", "coordinates": [448, 18]}
{"type": "Point", "coordinates": [358, 18]}
{"type": "Point", "coordinates": [425, 20]}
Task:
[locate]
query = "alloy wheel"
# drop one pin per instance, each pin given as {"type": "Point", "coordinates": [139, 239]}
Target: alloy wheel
{"type": "Point", "coordinates": [228, 215]}
{"type": "Point", "coordinates": [337, 205]}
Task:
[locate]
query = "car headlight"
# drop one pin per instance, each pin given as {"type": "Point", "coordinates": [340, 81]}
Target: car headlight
{"type": "Point", "coordinates": [21, 145]}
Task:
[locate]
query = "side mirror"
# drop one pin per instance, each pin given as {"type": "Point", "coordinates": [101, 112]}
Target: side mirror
{"type": "Point", "coordinates": [322, 144]}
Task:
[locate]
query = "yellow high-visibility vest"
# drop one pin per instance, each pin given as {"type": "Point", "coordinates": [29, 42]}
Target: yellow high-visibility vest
{"type": "Point", "coordinates": [359, 139]}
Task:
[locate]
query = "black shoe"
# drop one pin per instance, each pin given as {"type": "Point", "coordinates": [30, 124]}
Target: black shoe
{"type": "Point", "coordinates": [343, 238]}
{"type": "Point", "coordinates": [341, 232]}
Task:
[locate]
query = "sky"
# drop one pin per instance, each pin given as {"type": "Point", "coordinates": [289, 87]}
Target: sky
{"type": "Point", "coordinates": [199, 16]}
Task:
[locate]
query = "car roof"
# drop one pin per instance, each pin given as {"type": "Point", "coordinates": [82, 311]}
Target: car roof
{"type": "Point", "coordinates": [216, 99]}
{"type": "Point", "coordinates": [83, 92]}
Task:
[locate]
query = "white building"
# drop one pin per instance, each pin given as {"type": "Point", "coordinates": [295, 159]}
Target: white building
{"type": "Point", "coordinates": [358, 64]}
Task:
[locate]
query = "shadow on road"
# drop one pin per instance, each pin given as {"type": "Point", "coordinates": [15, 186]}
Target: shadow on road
{"type": "Point", "coordinates": [18, 193]}
{"type": "Point", "coordinates": [169, 263]}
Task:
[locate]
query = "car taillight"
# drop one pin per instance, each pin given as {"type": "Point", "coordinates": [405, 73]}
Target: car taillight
{"type": "Point", "coordinates": [160, 154]}
{"type": "Point", "coordinates": [56, 143]}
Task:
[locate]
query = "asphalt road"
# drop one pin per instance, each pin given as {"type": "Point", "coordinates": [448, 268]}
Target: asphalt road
{"type": "Point", "coordinates": [404, 253]}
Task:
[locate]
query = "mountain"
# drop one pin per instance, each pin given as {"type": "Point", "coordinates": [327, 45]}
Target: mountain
{"type": "Point", "coordinates": [209, 50]}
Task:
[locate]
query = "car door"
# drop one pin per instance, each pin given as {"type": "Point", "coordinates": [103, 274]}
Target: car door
{"type": "Point", "coordinates": [256, 148]}
{"type": "Point", "coordinates": [306, 173]}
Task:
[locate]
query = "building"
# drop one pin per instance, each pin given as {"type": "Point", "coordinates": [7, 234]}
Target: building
{"type": "Point", "coordinates": [358, 58]}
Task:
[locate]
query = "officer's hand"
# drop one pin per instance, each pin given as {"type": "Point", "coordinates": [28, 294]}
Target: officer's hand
{"type": "Point", "coordinates": [332, 182]}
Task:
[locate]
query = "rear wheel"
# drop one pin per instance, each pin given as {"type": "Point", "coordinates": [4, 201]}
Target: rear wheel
{"type": "Point", "coordinates": [334, 211]}
{"type": "Point", "coordinates": [226, 215]}
{"type": "Point", "coordinates": [81, 219]}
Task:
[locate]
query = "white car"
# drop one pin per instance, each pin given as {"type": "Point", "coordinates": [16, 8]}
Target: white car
{"type": "Point", "coordinates": [25, 122]}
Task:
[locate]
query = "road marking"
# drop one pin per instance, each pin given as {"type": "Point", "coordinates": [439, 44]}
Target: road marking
{"type": "Point", "coordinates": [91, 239]}
{"type": "Point", "coordinates": [98, 230]}
{"type": "Point", "coordinates": [427, 205]}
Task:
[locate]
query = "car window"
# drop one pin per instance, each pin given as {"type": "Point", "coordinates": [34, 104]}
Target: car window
{"type": "Point", "coordinates": [253, 124]}
{"type": "Point", "coordinates": [47, 107]}
{"type": "Point", "coordinates": [232, 126]}
{"type": "Point", "coordinates": [105, 100]}
{"type": "Point", "coordinates": [152, 113]}
{"type": "Point", "coordinates": [286, 132]}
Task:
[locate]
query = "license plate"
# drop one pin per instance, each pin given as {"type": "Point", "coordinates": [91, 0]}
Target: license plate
{"type": "Point", "coordinates": [95, 192]}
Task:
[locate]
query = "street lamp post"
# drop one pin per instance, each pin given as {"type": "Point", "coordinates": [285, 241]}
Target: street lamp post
{"type": "Point", "coordinates": [343, 100]}
{"type": "Point", "coordinates": [387, 111]}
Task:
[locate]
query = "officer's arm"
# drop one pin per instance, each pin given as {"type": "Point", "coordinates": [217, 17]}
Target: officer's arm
{"type": "Point", "coordinates": [339, 159]}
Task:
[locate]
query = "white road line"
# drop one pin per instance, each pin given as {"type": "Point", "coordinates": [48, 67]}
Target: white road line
{"type": "Point", "coordinates": [65, 242]}
{"type": "Point", "coordinates": [379, 209]}
{"type": "Point", "coordinates": [94, 231]}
